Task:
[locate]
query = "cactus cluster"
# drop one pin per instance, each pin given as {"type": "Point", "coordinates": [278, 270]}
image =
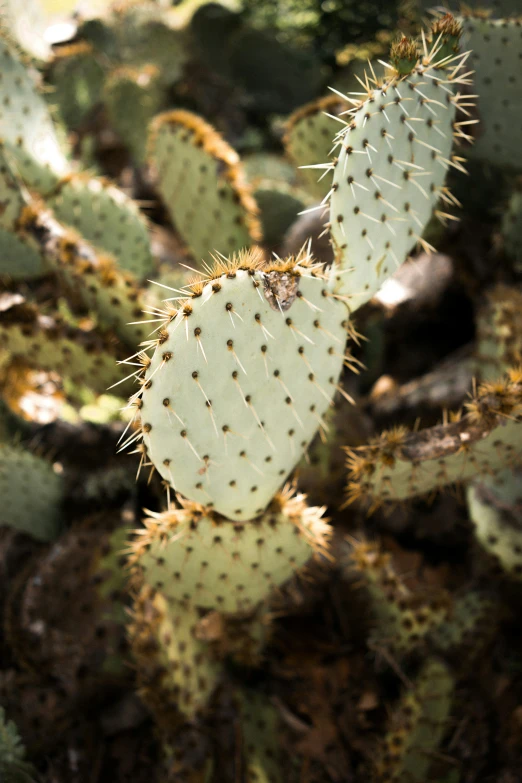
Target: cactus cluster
{"type": "Point", "coordinates": [236, 629]}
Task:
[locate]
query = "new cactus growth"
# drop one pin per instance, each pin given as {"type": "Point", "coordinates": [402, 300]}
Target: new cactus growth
{"type": "Point", "coordinates": [418, 727]}
{"type": "Point", "coordinates": [401, 465]}
{"type": "Point", "coordinates": [203, 185]}
{"type": "Point", "coordinates": [31, 493]}
{"type": "Point", "coordinates": [495, 508]}
{"type": "Point", "coordinates": [496, 47]}
{"type": "Point", "coordinates": [241, 376]}
{"type": "Point", "coordinates": [393, 156]}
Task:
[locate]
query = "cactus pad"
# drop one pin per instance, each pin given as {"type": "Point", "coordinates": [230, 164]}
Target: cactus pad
{"type": "Point", "coordinates": [31, 493]}
{"type": "Point", "coordinates": [495, 508]}
{"type": "Point", "coordinates": [309, 138]}
{"type": "Point", "coordinates": [496, 47]}
{"type": "Point", "coordinates": [105, 216]}
{"type": "Point", "coordinates": [499, 332]}
{"type": "Point", "coordinates": [261, 732]}
{"type": "Point", "coordinates": [241, 376]}
{"type": "Point", "coordinates": [176, 671]}
{"type": "Point", "coordinates": [191, 555]}
{"type": "Point", "coordinates": [393, 155]}
{"type": "Point", "coordinates": [401, 465]}
{"type": "Point", "coordinates": [511, 229]}
{"type": "Point", "coordinates": [77, 76]}
{"type": "Point", "coordinates": [25, 124]}
{"type": "Point", "coordinates": [402, 619]}
{"type": "Point", "coordinates": [418, 727]}
{"type": "Point", "coordinates": [203, 185]}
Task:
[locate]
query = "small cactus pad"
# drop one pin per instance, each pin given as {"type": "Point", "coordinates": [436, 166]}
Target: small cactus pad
{"type": "Point", "coordinates": [400, 465]}
{"type": "Point", "coordinates": [402, 619]}
{"type": "Point", "coordinates": [105, 216]}
{"type": "Point", "coordinates": [77, 77]}
{"type": "Point", "coordinates": [468, 626]}
{"type": "Point", "coordinates": [499, 332]}
{"type": "Point", "coordinates": [393, 155]}
{"type": "Point", "coordinates": [31, 493]}
{"type": "Point", "coordinates": [202, 184]}
{"type": "Point", "coordinates": [133, 97]}
{"type": "Point", "coordinates": [241, 376]}
{"type": "Point", "coordinates": [193, 556]}
{"type": "Point", "coordinates": [261, 732]}
{"type": "Point", "coordinates": [511, 229]}
{"type": "Point", "coordinates": [309, 138]}
{"type": "Point", "coordinates": [496, 51]}
{"type": "Point", "coordinates": [495, 508]}
{"type": "Point", "coordinates": [26, 127]}
{"type": "Point", "coordinates": [177, 672]}
{"type": "Point", "coordinates": [418, 727]}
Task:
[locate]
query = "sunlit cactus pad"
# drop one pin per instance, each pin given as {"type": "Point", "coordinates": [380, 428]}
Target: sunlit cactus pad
{"type": "Point", "coordinates": [401, 465]}
{"type": "Point", "coordinates": [241, 375]}
{"type": "Point", "coordinates": [193, 556]}
{"type": "Point", "coordinates": [496, 46]}
{"type": "Point", "coordinates": [393, 156]}
{"type": "Point", "coordinates": [203, 185]}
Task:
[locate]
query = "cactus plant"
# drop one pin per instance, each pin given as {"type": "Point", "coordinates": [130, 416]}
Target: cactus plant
{"type": "Point", "coordinates": [203, 185]}
{"type": "Point", "coordinates": [418, 726]}
{"type": "Point", "coordinates": [511, 228]}
{"type": "Point", "coordinates": [260, 406]}
{"type": "Point", "coordinates": [401, 465]}
{"type": "Point", "coordinates": [32, 493]}
{"type": "Point", "coordinates": [499, 332]}
{"type": "Point", "coordinates": [393, 155]}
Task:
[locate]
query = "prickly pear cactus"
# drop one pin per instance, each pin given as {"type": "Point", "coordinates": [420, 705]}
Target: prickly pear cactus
{"type": "Point", "coordinates": [31, 493]}
{"type": "Point", "coordinates": [511, 228]}
{"type": "Point", "coordinates": [105, 216]}
{"type": "Point", "coordinates": [309, 138]}
{"type": "Point", "coordinates": [469, 625]}
{"type": "Point", "coordinates": [241, 375]}
{"type": "Point", "coordinates": [401, 619]}
{"type": "Point", "coordinates": [177, 672]}
{"type": "Point", "coordinates": [194, 556]}
{"type": "Point", "coordinates": [496, 49]}
{"type": "Point", "coordinates": [418, 727]}
{"type": "Point", "coordinates": [261, 745]}
{"type": "Point", "coordinates": [400, 465]}
{"type": "Point", "coordinates": [495, 508]}
{"type": "Point", "coordinates": [203, 186]}
{"type": "Point", "coordinates": [77, 76]}
{"type": "Point", "coordinates": [393, 156]}
{"type": "Point", "coordinates": [26, 128]}
{"type": "Point", "coordinates": [279, 205]}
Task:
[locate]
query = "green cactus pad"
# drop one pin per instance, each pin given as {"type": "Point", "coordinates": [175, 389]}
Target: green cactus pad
{"type": "Point", "coordinates": [261, 731]}
{"type": "Point", "coordinates": [18, 259]}
{"type": "Point", "coordinates": [25, 124]}
{"type": "Point", "coordinates": [402, 619]}
{"type": "Point", "coordinates": [393, 156]}
{"type": "Point", "coordinates": [31, 493]}
{"type": "Point", "coordinates": [401, 465]}
{"type": "Point", "coordinates": [177, 672]}
{"type": "Point", "coordinates": [495, 508]}
{"type": "Point", "coordinates": [241, 376]}
{"type": "Point", "coordinates": [26, 23]}
{"type": "Point", "coordinates": [418, 727]}
{"type": "Point", "coordinates": [496, 47]}
{"type": "Point", "coordinates": [192, 556]}
{"type": "Point", "coordinates": [133, 97]}
{"type": "Point", "coordinates": [105, 216]}
{"type": "Point", "coordinates": [511, 229]}
{"type": "Point", "coordinates": [203, 186]}
{"type": "Point", "coordinates": [499, 332]}
{"type": "Point", "coordinates": [46, 343]}
{"type": "Point", "coordinates": [309, 139]}
{"type": "Point", "coordinates": [77, 76]}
